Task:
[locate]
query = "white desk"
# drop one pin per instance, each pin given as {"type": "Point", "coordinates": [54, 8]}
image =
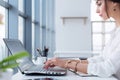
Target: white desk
{"type": "Point", "coordinates": [69, 76]}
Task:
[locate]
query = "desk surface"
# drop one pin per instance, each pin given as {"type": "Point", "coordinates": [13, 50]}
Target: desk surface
{"type": "Point", "coordinates": [69, 76]}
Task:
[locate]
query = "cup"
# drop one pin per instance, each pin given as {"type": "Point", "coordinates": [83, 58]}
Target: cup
{"type": "Point", "coordinates": [41, 60]}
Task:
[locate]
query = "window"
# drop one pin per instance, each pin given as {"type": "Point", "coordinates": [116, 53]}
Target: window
{"type": "Point", "coordinates": [50, 32]}
{"type": "Point", "coordinates": [15, 21]}
{"type": "Point", "coordinates": [42, 26]}
{"type": "Point", "coordinates": [21, 5]}
{"type": "Point", "coordinates": [21, 29]}
{"type": "Point", "coordinates": [33, 40]}
{"type": "Point", "coordinates": [101, 30]}
{"type": "Point", "coordinates": [33, 29]}
{"type": "Point", "coordinates": [2, 31]}
{"type": "Point", "coordinates": [21, 20]}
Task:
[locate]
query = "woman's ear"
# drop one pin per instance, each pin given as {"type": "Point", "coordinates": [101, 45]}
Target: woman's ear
{"type": "Point", "coordinates": [115, 4]}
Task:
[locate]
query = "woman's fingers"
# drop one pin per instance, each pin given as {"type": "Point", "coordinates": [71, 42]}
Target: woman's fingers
{"type": "Point", "coordinates": [54, 62]}
{"type": "Point", "coordinates": [48, 64]}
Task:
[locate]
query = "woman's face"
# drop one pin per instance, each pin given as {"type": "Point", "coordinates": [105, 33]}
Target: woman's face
{"type": "Point", "coordinates": [101, 9]}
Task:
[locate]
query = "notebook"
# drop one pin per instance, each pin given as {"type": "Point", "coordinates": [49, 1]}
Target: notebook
{"type": "Point", "coordinates": [26, 66]}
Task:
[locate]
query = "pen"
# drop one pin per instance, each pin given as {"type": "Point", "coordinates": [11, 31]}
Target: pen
{"type": "Point", "coordinates": [45, 52]}
{"type": "Point", "coordinates": [39, 51]}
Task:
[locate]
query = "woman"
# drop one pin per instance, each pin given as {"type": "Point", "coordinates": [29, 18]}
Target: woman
{"type": "Point", "coordinates": [108, 62]}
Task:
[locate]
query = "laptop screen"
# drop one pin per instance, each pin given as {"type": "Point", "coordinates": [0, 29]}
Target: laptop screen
{"type": "Point", "coordinates": [14, 46]}
{"type": "Point", "coordinates": [25, 64]}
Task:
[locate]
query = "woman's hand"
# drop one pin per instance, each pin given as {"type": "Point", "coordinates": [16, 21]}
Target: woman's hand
{"type": "Point", "coordinates": [55, 62]}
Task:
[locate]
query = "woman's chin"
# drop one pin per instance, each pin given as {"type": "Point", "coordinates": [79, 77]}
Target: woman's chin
{"type": "Point", "coordinates": [105, 19]}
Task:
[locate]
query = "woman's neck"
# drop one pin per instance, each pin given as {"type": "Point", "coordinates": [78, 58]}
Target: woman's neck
{"type": "Point", "coordinates": [116, 16]}
{"type": "Point", "coordinates": [118, 23]}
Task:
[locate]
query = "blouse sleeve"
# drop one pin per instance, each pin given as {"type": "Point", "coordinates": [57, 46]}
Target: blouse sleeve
{"type": "Point", "coordinates": [108, 67]}
{"type": "Point", "coordinates": [95, 59]}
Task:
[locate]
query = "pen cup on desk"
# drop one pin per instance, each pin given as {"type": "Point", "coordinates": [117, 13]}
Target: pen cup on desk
{"type": "Point", "coordinates": [40, 60]}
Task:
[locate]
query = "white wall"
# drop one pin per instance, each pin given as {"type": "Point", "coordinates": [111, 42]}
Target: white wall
{"type": "Point", "coordinates": [73, 35]}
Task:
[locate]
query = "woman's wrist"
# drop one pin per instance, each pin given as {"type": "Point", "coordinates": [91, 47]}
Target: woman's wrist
{"type": "Point", "coordinates": [71, 64]}
{"type": "Point", "coordinates": [66, 64]}
{"type": "Point", "coordinates": [76, 66]}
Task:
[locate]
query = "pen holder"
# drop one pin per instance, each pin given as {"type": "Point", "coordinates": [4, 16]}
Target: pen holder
{"type": "Point", "coordinates": [41, 60]}
{"type": "Point", "coordinates": [43, 54]}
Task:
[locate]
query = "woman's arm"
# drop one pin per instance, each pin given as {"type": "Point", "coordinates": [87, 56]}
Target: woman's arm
{"type": "Point", "coordinates": [78, 65]}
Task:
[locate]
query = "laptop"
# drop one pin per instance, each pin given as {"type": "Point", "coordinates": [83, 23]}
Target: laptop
{"type": "Point", "coordinates": [26, 66]}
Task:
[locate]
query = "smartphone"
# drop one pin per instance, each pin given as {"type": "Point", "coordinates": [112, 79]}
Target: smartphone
{"type": "Point", "coordinates": [41, 79]}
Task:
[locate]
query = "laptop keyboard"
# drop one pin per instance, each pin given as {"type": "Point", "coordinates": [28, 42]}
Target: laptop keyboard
{"type": "Point", "coordinates": [50, 71]}
{"type": "Point", "coordinates": [35, 68]}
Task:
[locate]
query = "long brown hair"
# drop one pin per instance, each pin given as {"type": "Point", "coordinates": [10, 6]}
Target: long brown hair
{"type": "Point", "coordinates": [116, 1]}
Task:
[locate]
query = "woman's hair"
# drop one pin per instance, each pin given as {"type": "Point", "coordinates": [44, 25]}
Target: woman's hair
{"type": "Point", "coordinates": [116, 1]}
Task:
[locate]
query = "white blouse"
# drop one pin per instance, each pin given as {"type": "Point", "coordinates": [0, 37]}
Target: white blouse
{"type": "Point", "coordinates": [108, 62]}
